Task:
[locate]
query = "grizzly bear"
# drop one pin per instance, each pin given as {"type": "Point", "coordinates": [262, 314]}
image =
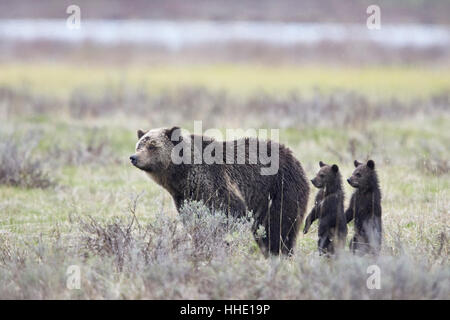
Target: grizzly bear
{"type": "Point", "coordinates": [329, 209]}
{"type": "Point", "coordinates": [277, 201]}
{"type": "Point", "coordinates": [365, 209]}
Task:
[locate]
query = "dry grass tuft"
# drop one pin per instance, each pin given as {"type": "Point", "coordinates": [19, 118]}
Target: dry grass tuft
{"type": "Point", "coordinates": [219, 108]}
{"type": "Point", "coordinates": [194, 256]}
{"type": "Point", "coordinates": [18, 164]}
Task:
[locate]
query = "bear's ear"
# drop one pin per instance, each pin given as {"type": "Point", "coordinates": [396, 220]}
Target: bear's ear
{"type": "Point", "coordinates": [141, 133]}
{"type": "Point", "coordinates": [357, 163]}
{"type": "Point", "coordinates": [371, 164]}
{"type": "Point", "coordinates": [335, 168]}
{"type": "Point", "coordinates": [321, 164]}
{"type": "Point", "coordinates": [170, 131]}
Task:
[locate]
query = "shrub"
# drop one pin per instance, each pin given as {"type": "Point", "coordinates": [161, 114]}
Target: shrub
{"type": "Point", "coordinates": [95, 150]}
{"type": "Point", "coordinates": [18, 164]}
{"type": "Point", "coordinates": [196, 235]}
{"type": "Point", "coordinates": [168, 259]}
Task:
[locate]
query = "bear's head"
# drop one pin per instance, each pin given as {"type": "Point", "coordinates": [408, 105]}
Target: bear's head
{"type": "Point", "coordinates": [153, 150]}
{"type": "Point", "coordinates": [327, 176]}
{"type": "Point", "coordinates": [364, 175]}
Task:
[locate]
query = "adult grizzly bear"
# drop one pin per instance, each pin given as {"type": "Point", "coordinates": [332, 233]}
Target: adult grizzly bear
{"type": "Point", "coordinates": [234, 182]}
{"type": "Point", "coordinates": [365, 208]}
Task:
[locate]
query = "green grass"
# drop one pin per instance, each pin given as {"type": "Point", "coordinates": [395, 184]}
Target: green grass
{"type": "Point", "coordinates": [400, 82]}
{"type": "Point", "coordinates": [102, 189]}
{"type": "Point", "coordinates": [415, 200]}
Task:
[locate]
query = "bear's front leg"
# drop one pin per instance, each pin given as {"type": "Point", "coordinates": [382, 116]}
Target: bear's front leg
{"type": "Point", "coordinates": [309, 220]}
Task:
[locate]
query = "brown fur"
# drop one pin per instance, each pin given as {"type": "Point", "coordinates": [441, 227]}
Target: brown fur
{"type": "Point", "coordinates": [365, 209]}
{"type": "Point", "coordinates": [329, 209]}
{"type": "Point", "coordinates": [278, 201]}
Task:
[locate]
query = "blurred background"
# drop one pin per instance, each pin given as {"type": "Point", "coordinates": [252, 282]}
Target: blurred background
{"type": "Point", "coordinates": [211, 31]}
{"type": "Point", "coordinates": [273, 59]}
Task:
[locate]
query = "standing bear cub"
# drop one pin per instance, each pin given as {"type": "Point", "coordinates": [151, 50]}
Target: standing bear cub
{"type": "Point", "coordinates": [329, 209]}
{"type": "Point", "coordinates": [365, 209]}
{"type": "Point", "coordinates": [234, 182]}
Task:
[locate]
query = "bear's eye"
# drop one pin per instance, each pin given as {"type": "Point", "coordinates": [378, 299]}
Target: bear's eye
{"type": "Point", "coordinates": [151, 146]}
{"type": "Point", "coordinates": [321, 175]}
{"type": "Point", "coordinates": [358, 174]}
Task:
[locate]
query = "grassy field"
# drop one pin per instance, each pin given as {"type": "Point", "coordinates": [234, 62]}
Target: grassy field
{"type": "Point", "coordinates": [61, 79]}
{"type": "Point", "coordinates": [68, 193]}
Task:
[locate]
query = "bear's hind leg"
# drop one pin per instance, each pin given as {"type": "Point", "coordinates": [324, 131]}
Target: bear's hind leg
{"type": "Point", "coordinates": [325, 245]}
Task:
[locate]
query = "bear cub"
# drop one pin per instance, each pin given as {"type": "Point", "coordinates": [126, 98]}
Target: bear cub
{"type": "Point", "coordinates": [329, 209]}
{"type": "Point", "coordinates": [365, 209]}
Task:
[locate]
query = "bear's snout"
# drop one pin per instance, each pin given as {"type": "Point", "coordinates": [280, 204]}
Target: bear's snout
{"type": "Point", "coordinates": [316, 183]}
{"type": "Point", "coordinates": [352, 183]}
{"type": "Point", "coordinates": [133, 159]}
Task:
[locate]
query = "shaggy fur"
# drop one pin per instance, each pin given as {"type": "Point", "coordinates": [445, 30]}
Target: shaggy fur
{"type": "Point", "coordinates": [329, 209]}
{"type": "Point", "coordinates": [365, 209]}
{"type": "Point", "coordinates": [278, 202]}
